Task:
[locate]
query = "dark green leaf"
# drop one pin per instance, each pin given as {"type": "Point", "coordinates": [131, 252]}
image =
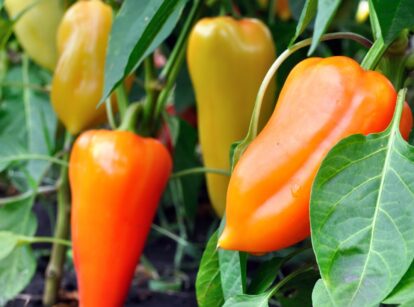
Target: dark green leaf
{"type": "Point", "coordinates": [208, 282]}
{"type": "Point", "coordinates": [308, 13]}
{"type": "Point", "coordinates": [185, 157]}
{"type": "Point", "coordinates": [324, 16]}
{"type": "Point", "coordinates": [393, 17]}
{"type": "Point", "coordinates": [298, 291]}
{"type": "Point", "coordinates": [404, 291]}
{"type": "Point", "coordinates": [245, 300]}
{"type": "Point", "coordinates": [265, 275]}
{"type": "Point", "coordinates": [152, 22]}
{"type": "Point", "coordinates": [362, 212]}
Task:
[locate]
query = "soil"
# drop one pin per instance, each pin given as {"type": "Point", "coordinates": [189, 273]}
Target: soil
{"type": "Point", "coordinates": [160, 252]}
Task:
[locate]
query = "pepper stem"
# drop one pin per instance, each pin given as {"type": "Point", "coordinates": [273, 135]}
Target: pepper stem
{"type": "Point", "coordinates": [54, 271]}
{"type": "Point", "coordinates": [131, 116]}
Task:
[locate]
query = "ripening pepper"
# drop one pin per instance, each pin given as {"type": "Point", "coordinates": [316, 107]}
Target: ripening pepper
{"type": "Point", "coordinates": [281, 8]}
{"type": "Point", "coordinates": [116, 179]}
{"type": "Point", "coordinates": [227, 61]}
{"type": "Point", "coordinates": [321, 102]}
{"type": "Point", "coordinates": [36, 29]}
{"type": "Point", "coordinates": [78, 79]}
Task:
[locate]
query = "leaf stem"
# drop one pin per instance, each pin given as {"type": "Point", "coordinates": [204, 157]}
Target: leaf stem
{"type": "Point", "coordinates": [199, 170]}
{"type": "Point", "coordinates": [130, 117]}
{"type": "Point", "coordinates": [122, 99]}
{"type": "Point", "coordinates": [54, 271]}
{"type": "Point", "coordinates": [110, 113]}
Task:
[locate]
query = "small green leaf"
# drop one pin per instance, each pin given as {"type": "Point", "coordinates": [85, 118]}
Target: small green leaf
{"type": "Point", "coordinates": [326, 12]}
{"type": "Point", "coordinates": [393, 17]}
{"type": "Point", "coordinates": [208, 282]}
{"type": "Point", "coordinates": [362, 212]}
{"type": "Point", "coordinates": [231, 268]}
{"type": "Point", "coordinates": [404, 291]}
{"type": "Point", "coordinates": [139, 28]}
{"type": "Point", "coordinates": [245, 300]}
{"type": "Point", "coordinates": [308, 13]}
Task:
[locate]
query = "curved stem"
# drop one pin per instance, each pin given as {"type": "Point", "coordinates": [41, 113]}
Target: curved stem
{"type": "Point", "coordinates": [23, 157]}
{"type": "Point", "coordinates": [110, 113]}
{"type": "Point", "coordinates": [122, 99]}
{"type": "Point", "coordinates": [54, 270]}
{"type": "Point", "coordinates": [170, 235]}
{"type": "Point", "coordinates": [131, 116]}
{"type": "Point", "coordinates": [199, 170]}
{"type": "Point", "coordinates": [254, 122]}
{"type": "Point", "coordinates": [288, 278]}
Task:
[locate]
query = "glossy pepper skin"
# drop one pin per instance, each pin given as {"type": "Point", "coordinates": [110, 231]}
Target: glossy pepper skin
{"type": "Point", "coordinates": [78, 79]}
{"type": "Point", "coordinates": [36, 29]}
{"type": "Point", "coordinates": [227, 61]}
{"type": "Point", "coordinates": [117, 179]}
{"type": "Point", "coordinates": [321, 102]}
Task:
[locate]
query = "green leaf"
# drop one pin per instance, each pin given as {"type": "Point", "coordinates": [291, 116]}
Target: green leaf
{"type": "Point", "coordinates": [362, 212]}
{"type": "Point", "coordinates": [404, 291]}
{"type": "Point", "coordinates": [231, 267]}
{"type": "Point", "coordinates": [320, 295]}
{"type": "Point", "coordinates": [152, 22]}
{"type": "Point", "coordinates": [208, 283]}
{"type": "Point", "coordinates": [9, 148]}
{"type": "Point", "coordinates": [324, 16]}
{"type": "Point", "coordinates": [18, 268]}
{"type": "Point", "coordinates": [308, 13]}
{"type": "Point", "coordinates": [265, 275]}
{"type": "Point", "coordinates": [27, 117]}
{"type": "Point", "coordinates": [393, 17]}
{"type": "Point", "coordinates": [245, 300]}
{"type": "Point", "coordinates": [8, 242]}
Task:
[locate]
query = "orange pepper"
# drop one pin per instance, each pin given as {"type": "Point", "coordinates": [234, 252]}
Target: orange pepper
{"type": "Point", "coordinates": [117, 179]}
{"type": "Point", "coordinates": [322, 102]}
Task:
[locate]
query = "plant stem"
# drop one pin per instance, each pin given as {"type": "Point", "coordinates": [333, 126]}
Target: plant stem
{"type": "Point", "coordinates": [374, 55]}
{"type": "Point", "coordinates": [152, 92]}
{"type": "Point", "coordinates": [131, 116]}
{"type": "Point", "coordinates": [122, 99]}
{"type": "Point", "coordinates": [173, 66]}
{"type": "Point", "coordinates": [54, 271]}
{"type": "Point", "coordinates": [110, 113]}
{"type": "Point", "coordinates": [199, 170]}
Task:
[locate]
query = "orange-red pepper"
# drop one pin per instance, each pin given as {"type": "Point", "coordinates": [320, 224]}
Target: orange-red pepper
{"type": "Point", "coordinates": [322, 101]}
{"type": "Point", "coordinates": [116, 178]}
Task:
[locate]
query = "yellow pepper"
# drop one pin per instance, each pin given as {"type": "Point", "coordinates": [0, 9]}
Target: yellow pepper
{"type": "Point", "coordinates": [36, 28]}
{"type": "Point", "coordinates": [78, 79]}
{"type": "Point", "coordinates": [227, 61]}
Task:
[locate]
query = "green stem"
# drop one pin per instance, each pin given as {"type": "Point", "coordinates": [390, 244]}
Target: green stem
{"type": "Point", "coordinates": [173, 66]}
{"type": "Point", "coordinates": [122, 99]}
{"type": "Point", "coordinates": [110, 113]}
{"type": "Point", "coordinates": [254, 122]}
{"type": "Point", "coordinates": [170, 235]}
{"type": "Point", "coordinates": [33, 240]}
{"type": "Point", "coordinates": [199, 170]}
{"type": "Point", "coordinates": [152, 93]}
{"type": "Point", "coordinates": [23, 157]}
{"type": "Point", "coordinates": [131, 116]}
{"type": "Point", "coordinates": [374, 55]}
{"type": "Point", "coordinates": [288, 278]}
{"type": "Point", "coordinates": [54, 271]}
{"type": "Point", "coordinates": [271, 12]}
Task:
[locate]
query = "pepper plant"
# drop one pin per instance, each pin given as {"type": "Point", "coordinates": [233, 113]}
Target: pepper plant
{"type": "Point", "coordinates": [293, 187]}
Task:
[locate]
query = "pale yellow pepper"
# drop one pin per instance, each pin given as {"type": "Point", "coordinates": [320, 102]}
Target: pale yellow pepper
{"type": "Point", "coordinates": [37, 27]}
{"type": "Point", "coordinates": [227, 60]}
